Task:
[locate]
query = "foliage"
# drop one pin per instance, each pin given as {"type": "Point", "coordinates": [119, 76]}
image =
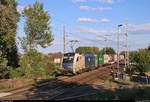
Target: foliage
{"type": "Point", "coordinates": [121, 94]}
{"type": "Point", "coordinates": [3, 67]}
{"type": "Point", "coordinates": [23, 42]}
{"type": "Point", "coordinates": [8, 25]}
{"type": "Point", "coordinates": [57, 73]}
{"type": "Point", "coordinates": [141, 60]}
{"type": "Point", "coordinates": [8, 2]}
{"type": "Point", "coordinates": [38, 32]}
{"type": "Point", "coordinates": [108, 50]}
{"type": "Point", "coordinates": [15, 73]}
{"type": "Point", "coordinates": [37, 29]}
{"type": "Point", "coordinates": [34, 65]}
{"type": "Point", "coordinates": [83, 50]}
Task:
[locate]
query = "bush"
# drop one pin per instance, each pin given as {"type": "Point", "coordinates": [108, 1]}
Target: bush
{"type": "Point", "coordinates": [3, 68]}
{"type": "Point", "coordinates": [57, 73]}
{"type": "Point", "coordinates": [34, 65]}
{"type": "Point", "coordinates": [141, 60]}
{"type": "Point", "coordinates": [15, 73]}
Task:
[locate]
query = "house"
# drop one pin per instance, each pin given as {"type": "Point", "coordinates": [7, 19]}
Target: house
{"type": "Point", "coordinates": [56, 57]}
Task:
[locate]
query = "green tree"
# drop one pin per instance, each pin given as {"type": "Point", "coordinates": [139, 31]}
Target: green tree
{"type": "Point", "coordinates": [3, 67]}
{"type": "Point", "coordinates": [33, 67]}
{"type": "Point", "coordinates": [38, 32]}
{"type": "Point", "coordinates": [8, 25]}
{"type": "Point", "coordinates": [37, 28]}
{"type": "Point", "coordinates": [108, 50]}
{"type": "Point", "coordinates": [141, 60]}
{"type": "Point", "coordinates": [83, 50]}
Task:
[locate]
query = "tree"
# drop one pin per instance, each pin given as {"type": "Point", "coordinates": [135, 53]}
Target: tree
{"type": "Point", "coordinates": [39, 66]}
{"type": "Point", "coordinates": [83, 50]}
{"type": "Point", "coordinates": [141, 60]}
{"type": "Point", "coordinates": [37, 28]}
{"type": "Point", "coordinates": [8, 25]}
{"type": "Point", "coordinates": [38, 32]}
{"type": "Point", "coordinates": [108, 50]}
{"type": "Point", "coordinates": [3, 67]}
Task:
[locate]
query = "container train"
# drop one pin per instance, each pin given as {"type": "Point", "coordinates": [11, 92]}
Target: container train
{"type": "Point", "coordinates": [77, 63]}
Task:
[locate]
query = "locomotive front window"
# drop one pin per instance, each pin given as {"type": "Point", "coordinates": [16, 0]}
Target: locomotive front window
{"type": "Point", "coordinates": [68, 59]}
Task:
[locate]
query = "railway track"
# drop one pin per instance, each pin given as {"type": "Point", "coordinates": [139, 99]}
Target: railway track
{"type": "Point", "coordinates": [25, 89]}
{"type": "Point", "coordinates": [98, 75]}
{"type": "Point", "coordinates": [59, 88]}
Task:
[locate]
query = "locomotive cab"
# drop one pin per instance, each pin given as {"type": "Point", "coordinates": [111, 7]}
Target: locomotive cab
{"type": "Point", "coordinates": [72, 63]}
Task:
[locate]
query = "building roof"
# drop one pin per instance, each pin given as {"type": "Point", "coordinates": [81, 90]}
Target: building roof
{"type": "Point", "coordinates": [55, 55]}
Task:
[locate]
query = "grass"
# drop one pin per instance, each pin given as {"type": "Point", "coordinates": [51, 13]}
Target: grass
{"type": "Point", "coordinates": [137, 92]}
{"type": "Point", "coordinates": [5, 87]}
{"type": "Point", "coordinates": [122, 94]}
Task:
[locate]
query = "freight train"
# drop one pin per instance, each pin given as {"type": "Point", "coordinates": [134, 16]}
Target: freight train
{"type": "Point", "coordinates": [77, 63]}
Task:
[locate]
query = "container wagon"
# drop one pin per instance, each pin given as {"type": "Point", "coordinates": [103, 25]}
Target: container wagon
{"type": "Point", "coordinates": [77, 63]}
{"type": "Point", "coordinates": [105, 59]}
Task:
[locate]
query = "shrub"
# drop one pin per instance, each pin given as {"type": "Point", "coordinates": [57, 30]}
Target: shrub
{"type": "Point", "coordinates": [34, 65]}
{"type": "Point", "coordinates": [141, 60]}
{"type": "Point", "coordinates": [3, 67]}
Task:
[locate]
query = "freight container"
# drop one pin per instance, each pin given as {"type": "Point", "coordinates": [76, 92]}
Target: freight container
{"type": "Point", "coordinates": [100, 58]}
{"type": "Point", "coordinates": [96, 61]}
{"type": "Point", "coordinates": [90, 61]}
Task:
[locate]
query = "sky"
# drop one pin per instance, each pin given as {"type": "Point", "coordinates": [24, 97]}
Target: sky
{"type": "Point", "coordinates": [94, 23]}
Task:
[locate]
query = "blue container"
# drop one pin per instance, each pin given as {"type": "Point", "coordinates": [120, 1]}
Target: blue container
{"type": "Point", "coordinates": [90, 61]}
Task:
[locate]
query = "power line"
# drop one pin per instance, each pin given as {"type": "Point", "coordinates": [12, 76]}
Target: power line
{"type": "Point", "coordinates": [73, 42]}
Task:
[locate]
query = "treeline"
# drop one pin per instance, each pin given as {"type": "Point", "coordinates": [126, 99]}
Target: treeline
{"type": "Point", "coordinates": [95, 50]}
{"type": "Point", "coordinates": [83, 50]}
{"type": "Point", "coordinates": [140, 61]}
{"type": "Point", "coordinates": [31, 64]}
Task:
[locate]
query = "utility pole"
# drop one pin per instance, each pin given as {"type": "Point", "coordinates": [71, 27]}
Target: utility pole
{"type": "Point", "coordinates": [64, 38]}
{"type": "Point", "coordinates": [118, 45]}
{"type": "Point", "coordinates": [106, 46]}
{"type": "Point", "coordinates": [127, 48]}
{"type": "Point", "coordinates": [126, 45]}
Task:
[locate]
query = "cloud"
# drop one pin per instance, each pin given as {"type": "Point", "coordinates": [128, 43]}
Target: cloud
{"type": "Point", "coordinates": [99, 1]}
{"type": "Point", "coordinates": [104, 20]}
{"type": "Point", "coordinates": [139, 29]}
{"type": "Point", "coordinates": [99, 33]}
{"type": "Point", "coordinates": [92, 20]}
{"type": "Point", "coordinates": [107, 1]}
{"type": "Point", "coordinates": [80, 1]}
{"type": "Point", "coordinates": [99, 36]}
{"type": "Point", "coordinates": [99, 9]}
{"type": "Point", "coordinates": [87, 20]}
{"type": "Point", "coordinates": [133, 29]}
